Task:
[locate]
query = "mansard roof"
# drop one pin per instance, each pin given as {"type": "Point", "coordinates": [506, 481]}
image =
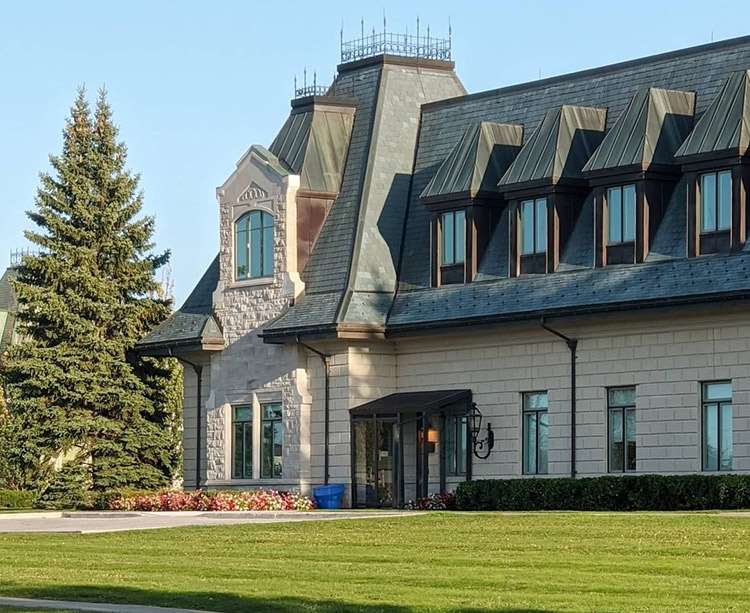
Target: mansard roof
{"type": "Point", "coordinates": [370, 267]}
{"type": "Point", "coordinates": [725, 126]}
{"type": "Point", "coordinates": [193, 325]}
{"type": "Point", "coordinates": [314, 140]}
{"type": "Point", "coordinates": [557, 150]}
{"type": "Point", "coordinates": [648, 132]}
{"type": "Point", "coordinates": [477, 162]}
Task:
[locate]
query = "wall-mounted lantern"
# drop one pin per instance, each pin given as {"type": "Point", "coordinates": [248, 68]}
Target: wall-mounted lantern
{"type": "Point", "coordinates": [481, 446]}
{"type": "Point", "coordinates": [432, 439]}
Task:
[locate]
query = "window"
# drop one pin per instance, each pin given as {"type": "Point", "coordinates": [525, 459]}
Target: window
{"type": "Point", "coordinates": [716, 201]}
{"type": "Point", "coordinates": [270, 444]}
{"type": "Point", "coordinates": [621, 214]}
{"type": "Point", "coordinates": [453, 238]}
{"type": "Point", "coordinates": [535, 433]}
{"type": "Point", "coordinates": [621, 409]}
{"type": "Point", "coordinates": [242, 442]}
{"type": "Point", "coordinates": [717, 425]}
{"type": "Point", "coordinates": [254, 246]}
{"type": "Point", "coordinates": [534, 226]}
{"type": "Point", "coordinates": [455, 445]}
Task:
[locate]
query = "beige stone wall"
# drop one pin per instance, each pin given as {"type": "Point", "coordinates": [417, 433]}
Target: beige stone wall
{"type": "Point", "coordinates": [665, 357]}
{"type": "Point", "coordinates": [249, 371]}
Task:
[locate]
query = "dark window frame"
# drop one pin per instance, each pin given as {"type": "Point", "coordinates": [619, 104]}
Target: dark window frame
{"type": "Point", "coordinates": [717, 229]}
{"type": "Point", "coordinates": [624, 409]}
{"type": "Point", "coordinates": [622, 189]}
{"type": "Point", "coordinates": [246, 424]}
{"type": "Point", "coordinates": [720, 403]}
{"type": "Point", "coordinates": [456, 424]}
{"type": "Point", "coordinates": [263, 442]}
{"type": "Point", "coordinates": [534, 202]}
{"type": "Point", "coordinates": [243, 225]}
{"type": "Point", "coordinates": [524, 433]}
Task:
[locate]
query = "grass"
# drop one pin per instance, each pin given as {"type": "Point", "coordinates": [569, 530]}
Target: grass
{"type": "Point", "coordinates": [435, 562]}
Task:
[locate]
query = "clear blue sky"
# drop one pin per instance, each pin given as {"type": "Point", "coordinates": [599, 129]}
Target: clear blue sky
{"type": "Point", "coordinates": [194, 84]}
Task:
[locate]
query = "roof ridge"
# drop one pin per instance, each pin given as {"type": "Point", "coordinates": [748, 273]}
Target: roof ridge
{"type": "Point", "coordinates": [589, 72]}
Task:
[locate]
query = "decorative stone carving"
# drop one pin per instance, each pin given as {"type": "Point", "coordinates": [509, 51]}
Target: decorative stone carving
{"type": "Point", "coordinates": [253, 192]}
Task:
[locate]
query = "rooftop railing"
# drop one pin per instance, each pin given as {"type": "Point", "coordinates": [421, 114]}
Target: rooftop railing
{"type": "Point", "coordinates": [388, 43]}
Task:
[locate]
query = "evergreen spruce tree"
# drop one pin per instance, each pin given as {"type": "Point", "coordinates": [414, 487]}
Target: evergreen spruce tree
{"type": "Point", "coordinates": [89, 415]}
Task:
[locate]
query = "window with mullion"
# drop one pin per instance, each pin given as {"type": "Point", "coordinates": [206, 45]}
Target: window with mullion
{"type": "Point", "coordinates": [271, 456]}
{"type": "Point", "coordinates": [242, 442]}
{"type": "Point", "coordinates": [622, 438]}
{"type": "Point", "coordinates": [452, 238]}
{"type": "Point", "coordinates": [455, 445]}
{"type": "Point", "coordinates": [717, 425]}
{"type": "Point", "coordinates": [253, 246]}
{"type": "Point", "coordinates": [535, 433]}
{"type": "Point", "coordinates": [716, 201]}
{"type": "Point", "coordinates": [534, 226]}
{"type": "Point", "coordinates": [621, 214]}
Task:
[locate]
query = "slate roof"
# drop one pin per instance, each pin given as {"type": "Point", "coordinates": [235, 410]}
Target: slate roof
{"type": "Point", "coordinates": [648, 132]}
{"type": "Point", "coordinates": [376, 238]}
{"type": "Point", "coordinates": [478, 161]}
{"type": "Point", "coordinates": [313, 144]}
{"type": "Point", "coordinates": [702, 70]}
{"type": "Point", "coordinates": [193, 323]}
{"type": "Point", "coordinates": [725, 126]}
{"type": "Point", "coordinates": [559, 147]}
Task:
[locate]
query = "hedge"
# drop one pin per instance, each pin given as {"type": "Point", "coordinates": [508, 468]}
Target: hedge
{"type": "Point", "coordinates": [16, 499]}
{"type": "Point", "coordinates": [610, 493]}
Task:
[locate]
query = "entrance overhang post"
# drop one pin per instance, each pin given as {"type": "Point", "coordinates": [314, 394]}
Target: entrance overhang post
{"type": "Point", "coordinates": [352, 451]}
{"type": "Point", "coordinates": [401, 488]}
{"type": "Point", "coordinates": [469, 446]}
{"type": "Point", "coordinates": [441, 454]}
{"type": "Point", "coordinates": [425, 456]}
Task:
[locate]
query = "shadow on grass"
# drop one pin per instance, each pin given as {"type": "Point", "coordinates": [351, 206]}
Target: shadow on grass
{"type": "Point", "coordinates": [225, 603]}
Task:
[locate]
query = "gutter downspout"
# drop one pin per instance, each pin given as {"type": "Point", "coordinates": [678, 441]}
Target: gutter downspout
{"type": "Point", "coordinates": [325, 358]}
{"type": "Point", "coordinates": [198, 425]}
{"type": "Point", "coordinates": [572, 344]}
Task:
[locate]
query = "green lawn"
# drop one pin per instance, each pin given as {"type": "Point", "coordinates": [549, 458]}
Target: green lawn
{"type": "Point", "coordinates": [434, 562]}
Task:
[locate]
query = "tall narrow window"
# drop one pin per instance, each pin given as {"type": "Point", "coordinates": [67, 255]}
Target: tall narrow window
{"type": "Point", "coordinates": [621, 214]}
{"type": "Point", "coordinates": [455, 445]}
{"type": "Point", "coordinates": [621, 409]}
{"type": "Point", "coordinates": [254, 246]}
{"type": "Point", "coordinates": [453, 238]}
{"type": "Point", "coordinates": [717, 425]}
{"type": "Point", "coordinates": [242, 442]}
{"type": "Point", "coordinates": [270, 444]}
{"type": "Point", "coordinates": [716, 201]}
{"type": "Point", "coordinates": [535, 433]}
{"type": "Point", "coordinates": [534, 226]}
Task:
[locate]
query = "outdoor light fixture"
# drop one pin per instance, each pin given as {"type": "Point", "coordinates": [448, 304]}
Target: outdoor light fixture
{"type": "Point", "coordinates": [432, 439]}
{"type": "Point", "coordinates": [481, 446]}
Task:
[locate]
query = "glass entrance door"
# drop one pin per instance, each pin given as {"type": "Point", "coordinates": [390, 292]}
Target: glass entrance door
{"type": "Point", "coordinates": [374, 462]}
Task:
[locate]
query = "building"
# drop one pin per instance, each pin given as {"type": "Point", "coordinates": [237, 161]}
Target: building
{"type": "Point", "coordinates": [8, 308]}
{"type": "Point", "coordinates": [567, 258]}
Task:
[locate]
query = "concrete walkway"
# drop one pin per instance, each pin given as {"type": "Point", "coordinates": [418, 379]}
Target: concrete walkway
{"type": "Point", "coordinates": [31, 603]}
{"type": "Point", "coordinates": [115, 521]}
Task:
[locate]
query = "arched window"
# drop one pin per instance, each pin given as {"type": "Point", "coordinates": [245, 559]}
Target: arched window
{"type": "Point", "coordinates": [253, 246]}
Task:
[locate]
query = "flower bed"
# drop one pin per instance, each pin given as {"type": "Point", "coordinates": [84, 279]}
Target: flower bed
{"type": "Point", "coordinates": [258, 500]}
{"type": "Point", "coordinates": [444, 501]}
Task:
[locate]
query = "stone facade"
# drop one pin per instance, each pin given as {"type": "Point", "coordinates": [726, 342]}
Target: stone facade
{"type": "Point", "coordinates": [666, 358]}
{"type": "Point", "coordinates": [249, 372]}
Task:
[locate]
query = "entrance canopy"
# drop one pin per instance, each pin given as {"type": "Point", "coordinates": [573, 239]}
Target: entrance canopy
{"type": "Point", "coordinates": [449, 401]}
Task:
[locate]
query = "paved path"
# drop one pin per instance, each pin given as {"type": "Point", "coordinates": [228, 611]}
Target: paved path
{"type": "Point", "coordinates": [30, 603]}
{"type": "Point", "coordinates": [114, 521]}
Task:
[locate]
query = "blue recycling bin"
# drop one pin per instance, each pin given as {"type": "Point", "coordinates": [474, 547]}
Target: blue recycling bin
{"type": "Point", "coordinates": [328, 496]}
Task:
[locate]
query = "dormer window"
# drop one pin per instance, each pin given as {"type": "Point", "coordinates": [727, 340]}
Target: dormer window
{"type": "Point", "coordinates": [534, 226]}
{"type": "Point", "coordinates": [716, 201]}
{"type": "Point", "coordinates": [621, 214]}
{"type": "Point", "coordinates": [452, 246]}
{"type": "Point", "coordinates": [253, 246]}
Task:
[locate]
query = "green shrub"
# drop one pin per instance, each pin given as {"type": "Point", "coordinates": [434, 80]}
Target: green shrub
{"type": "Point", "coordinates": [609, 493]}
{"type": "Point", "coordinates": [16, 499]}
